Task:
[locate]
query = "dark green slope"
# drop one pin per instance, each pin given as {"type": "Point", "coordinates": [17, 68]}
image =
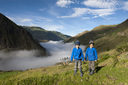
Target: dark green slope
{"type": "Point", "coordinates": [41, 34]}
{"type": "Point", "coordinates": [13, 37]}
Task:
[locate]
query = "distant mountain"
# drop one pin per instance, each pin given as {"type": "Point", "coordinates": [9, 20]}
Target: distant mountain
{"type": "Point", "coordinates": [42, 34]}
{"type": "Point", "coordinates": [74, 38]}
{"type": "Point", "coordinates": [94, 34]}
{"type": "Point", "coordinates": [105, 36]}
{"type": "Point", "coordinates": [14, 37]}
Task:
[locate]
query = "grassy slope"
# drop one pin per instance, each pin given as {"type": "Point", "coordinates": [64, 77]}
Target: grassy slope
{"type": "Point", "coordinates": [41, 34]}
{"type": "Point", "coordinates": [94, 34]}
{"type": "Point", "coordinates": [63, 75]}
{"type": "Point", "coordinates": [110, 70]}
{"type": "Point", "coordinates": [105, 36]}
{"type": "Point", "coordinates": [115, 38]}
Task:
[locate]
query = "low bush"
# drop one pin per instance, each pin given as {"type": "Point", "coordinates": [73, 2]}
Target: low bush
{"type": "Point", "coordinates": [122, 48]}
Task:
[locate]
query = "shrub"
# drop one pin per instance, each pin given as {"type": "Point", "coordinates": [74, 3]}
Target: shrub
{"type": "Point", "coordinates": [107, 49]}
{"type": "Point", "coordinates": [115, 60]}
{"type": "Point", "coordinates": [122, 48]}
{"type": "Point", "coordinates": [103, 58]}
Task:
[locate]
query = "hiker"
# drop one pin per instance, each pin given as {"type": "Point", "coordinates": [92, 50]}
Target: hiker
{"type": "Point", "coordinates": [91, 55]}
{"type": "Point", "coordinates": [77, 54]}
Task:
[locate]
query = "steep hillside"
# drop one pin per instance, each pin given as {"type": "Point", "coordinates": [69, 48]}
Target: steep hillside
{"type": "Point", "coordinates": [94, 34]}
{"type": "Point", "coordinates": [75, 37]}
{"type": "Point", "coordinates": [13, 37]}
{"type": "Point", "coordinates": [117, 36]}
{"type": "Point", "coordinates": [42, 34]}
{"type": "Point", "coordinates": [106, 37]}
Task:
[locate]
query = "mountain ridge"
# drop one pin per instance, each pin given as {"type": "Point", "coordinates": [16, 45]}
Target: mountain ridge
{"type": "Point", "coordinates": [105, 36]}
{"type": "Point", "coordinates": [14, 37]}
{"type": "Point", "coordinates": [42, 34]}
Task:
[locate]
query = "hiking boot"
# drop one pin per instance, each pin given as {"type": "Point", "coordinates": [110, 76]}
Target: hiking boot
{"type": "Point", "coordinates": [89, 70]}
{"type": "Point", "coordinates": [74, 72]}
{"type": "Point", "coordinates": [92, 72]}
{"type": "Point", "coordinates": [81, 73]}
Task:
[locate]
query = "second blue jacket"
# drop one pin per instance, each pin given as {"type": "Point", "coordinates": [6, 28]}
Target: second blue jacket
{"type": "Point", "coordinates": [77, 54]}
{"type": "Point", "coordinates": [91, 54]}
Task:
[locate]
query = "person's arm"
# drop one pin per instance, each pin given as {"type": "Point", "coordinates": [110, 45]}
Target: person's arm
{"type": "Point", "coordinates": [82, 55]}
{"type": "Point", "coordinates": [86, 54]}
{"type": "Point", "coordinates": [96, 56]}
{"type": "Point", "coordinates": [72, 55]}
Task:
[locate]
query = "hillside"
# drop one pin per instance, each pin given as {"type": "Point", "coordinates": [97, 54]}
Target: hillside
{"type": "Point", "coordinates": [108, 72]}
{"type": "Point", "coordinates": [111, 42]}
{"type": "Point", "coordinates": [42, 34]}
{"type": "Point", "coordinates": [117, 37]}
{"type": "Point", "coordinates": [94, 34]}
{"type": "Point", "coordinates": [105, 36]}
{"type": "Point", "coordinates": [75, 37]}
{"type": "Point", "coordinates": [14, 37]}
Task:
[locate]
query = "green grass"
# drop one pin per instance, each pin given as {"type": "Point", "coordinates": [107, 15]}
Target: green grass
{"type": "Point", "coordinates": [63, 75]}
{"type": "Point", "coordinates": [111, 69]}
{"type": "Point", "coordinates": [116, 31]}
{"type": "Point", "coordinates": [6, 74]}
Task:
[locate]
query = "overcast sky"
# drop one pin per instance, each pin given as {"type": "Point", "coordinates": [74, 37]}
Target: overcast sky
{"type": "Point", "coordinates": [67, 16]}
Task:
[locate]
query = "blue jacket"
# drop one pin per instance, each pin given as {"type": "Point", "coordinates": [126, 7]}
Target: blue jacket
{"type": "Point", "coordinates": [91, 54]}
{"type": "Point", "coordinates": [77, 54]}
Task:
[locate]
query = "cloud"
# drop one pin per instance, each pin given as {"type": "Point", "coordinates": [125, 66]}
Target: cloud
{"type": "Point", "coordinates": [64, 3]}
{"type": "Point", "coordinates": [53, 27]}
{"type": "Point", "coordinates": [100, 3]}
{"type": "Point", "coordinates": [34, 21]}
{"type": "Point", "coordinates": [85, 17]}
{"type": "Point", "coordinates": [102, 12]}
{"type": "Point", "coordinates": [42, 9]}
{"type": "Point", "coordinates": [23, 60]}
{"type": "Point", "coordinates": [125, 6]}
{"type": "Point", "coordinates": [40, 18]}
{"type": "Point", "coordinates": [94, 12]}
{"type": "Point", "coordinates": [94, 16]}
{"type": "Point", "coordinates": [78, 13]}
{"type": "Point", "coordinates": [23, 20]}
{"type": "Point", "coordinates": [97, 8]}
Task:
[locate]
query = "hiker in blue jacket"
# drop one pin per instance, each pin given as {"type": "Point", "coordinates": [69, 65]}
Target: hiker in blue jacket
{"type": "Point", "coordinates": [77, 54]}
{"type": "Point", "coordinates": [91, 55]}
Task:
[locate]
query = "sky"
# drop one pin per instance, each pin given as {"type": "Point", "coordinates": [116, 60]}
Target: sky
{"type": "Point", "coordinates": [66, 16]}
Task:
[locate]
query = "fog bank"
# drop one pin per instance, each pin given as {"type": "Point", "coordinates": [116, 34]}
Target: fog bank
{"type": "Point", "coordinates": [22, 60]}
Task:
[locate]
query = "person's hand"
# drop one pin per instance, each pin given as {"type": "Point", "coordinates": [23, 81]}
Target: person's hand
{"type": "Point", "coordinates": [95, 60]}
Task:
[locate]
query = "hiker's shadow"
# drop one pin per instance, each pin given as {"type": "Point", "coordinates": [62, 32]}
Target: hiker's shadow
{"type": "Point", "coordinates": [98, 68]}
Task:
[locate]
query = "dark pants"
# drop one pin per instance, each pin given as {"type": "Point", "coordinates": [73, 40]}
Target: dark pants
{"type": "Point", "coordinates": [78, 64]}
{"type": "Point", "coordinates": [92, 65]}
